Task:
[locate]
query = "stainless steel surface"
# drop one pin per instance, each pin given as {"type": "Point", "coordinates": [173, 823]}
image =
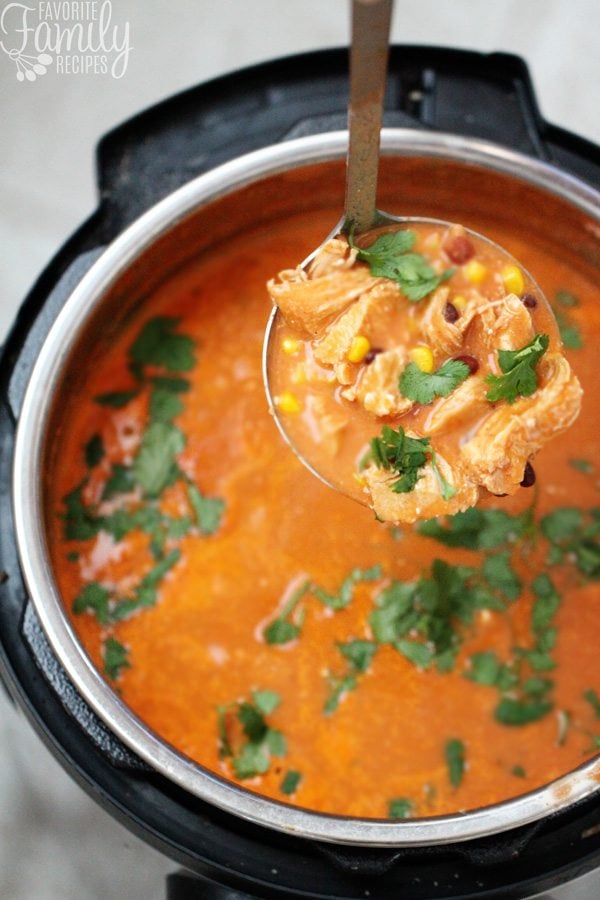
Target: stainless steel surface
{"type": "Point", "coordinates": [371, 20]}
{"type": "Point", "coordinates": [86, 299]}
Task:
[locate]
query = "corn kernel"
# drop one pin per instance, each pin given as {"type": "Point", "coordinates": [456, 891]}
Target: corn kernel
{"type": "Point", "coordinates": [287, 402]}
{"type": "Point", "coordinates": [475, 271]}
{"type": "Point", "coordinates": [359, 480]}
{"type": "Point", "coordinates": [459, 302]}
{"type": "Point", "coordinates": [290, 345]}
{"type": "Point", "coordinates": [513, 280]}
{"type": "Point", "coordinates": [423, 358]}
{"type": "Point", "coordinates": [298, 375]}
{"type": "Point", "coordinates": [359, 348]}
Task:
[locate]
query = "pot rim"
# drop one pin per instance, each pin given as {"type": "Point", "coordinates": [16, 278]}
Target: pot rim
{"type": "Point", "coordinates": [29, 518]}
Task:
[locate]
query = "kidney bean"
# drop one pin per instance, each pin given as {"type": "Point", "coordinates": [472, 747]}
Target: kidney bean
{"type": "Point", "coordinates": [529, 301]}
{"type": "Point", "coordinates": [371, 354]}
{"type": "Point", "coordinates": [459, 249]}
{"type": "Point", "coordinates": [528, 476]}
{"type": "Point", "coordinates": [469, 361]}
{"type": "Point", "coordinates": [450, 313]}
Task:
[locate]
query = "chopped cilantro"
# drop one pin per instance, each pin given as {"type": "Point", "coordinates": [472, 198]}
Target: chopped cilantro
{"type": "Point", "coordinates": [116, 399]}
{"type": "Point", "coordinates": [252, 756]}
{"type": "Point", "coordinates": [511, 711]}
{"type": "Point", "coordinates": [116, 658]}
{"type": "Point", "coordinates": [499, 573]}
{"type": "Point", "coordinates": [424, 387]}
{"type": "Point", "coordinates": [594, 700]}
{"type": "Point", "coordinates": [420, 655]}
{"type": "Point", "coordinates": [454, 753]}
{"type": "Point", "coordinates": [518, 772]}
{"type": "Point", "coordinates": [359, 653]}
{"type": "Point", "coordinates": [399, 808]}
{"type": "Point", "coordinates": [575, 536]}
{"type": "Point", "coordinates": [402, 454]}
{"type": "Point", "coordinates": [81, 523]}
{"type": "Point", "coordinates": [344, 596]}
{"type": "Point", "coordinates": [485, 668]}
{"type": "Point", "coordinates": [476, 529]}
{"type": "Point", "coordinates": [144, 595]}
{"type": "Point", "coordinates": [389, 256]}
{"type": "Point", "coordinates": [73, 556]}
{"type": "Point", "coordinates": [208, 511]}
{"type": "Point", "coordinates": [94, 451]}
{"type": "Point", "coordinates": [338, 686]}
{"type": "Point", "coordinates": [281, 630]}
{"type": "Point", "coordinates": [566, 298]}
{"type": "Point", "coordinates": [119, 481]}
{"type": "Point", "coordinates": [290, 782]}
{"type": "Point", "coordinates": [582, 465]}
{"type": "Point", "coordinates": [266, 701]}
{"type": "Point", "coordinates": [155, 465]}
{"type": "Point", "coordinates": [447, 490]}
{"type": "Point", "coordinates": [164, 405]}
{"type": "Point", "coordinates": [171, 383]}
{"type": "Point", "coordinates": [95, 598]}
{"type": "Point", "coordinates": [570, 333]}
{"type": "Point", "coordinates": [519, 377]}
{"type": "Point", "coordinates": [158, 344]}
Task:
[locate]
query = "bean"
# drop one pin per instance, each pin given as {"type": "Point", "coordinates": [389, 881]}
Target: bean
{"type": "Point", "coordinates": [459, 249]}
{"type": "Point", "coordinates": [469, 361]}
{"type": "Point", "coordinates": [529, 301]}
{"type": "Point", "coordinates": [372, 353]}
{"type": "Point", "coordinates": [528, 476]}
{"type": "Point", "coordinates": [451, 313]}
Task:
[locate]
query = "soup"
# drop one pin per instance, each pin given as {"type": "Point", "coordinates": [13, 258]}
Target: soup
{"type": "Point", "coordinates": [272, 630]}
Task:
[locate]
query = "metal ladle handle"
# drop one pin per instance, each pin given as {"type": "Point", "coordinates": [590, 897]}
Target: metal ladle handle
{"type": "Point", "coordinates": [368, 71]}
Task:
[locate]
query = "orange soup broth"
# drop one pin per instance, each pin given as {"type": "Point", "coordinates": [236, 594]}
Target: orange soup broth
{"type": "Point", "coordinates": [201, 645]}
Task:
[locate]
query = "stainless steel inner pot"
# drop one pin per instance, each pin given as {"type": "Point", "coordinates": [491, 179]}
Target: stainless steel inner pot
{"type": "Point", "coordinates": [199, 214]}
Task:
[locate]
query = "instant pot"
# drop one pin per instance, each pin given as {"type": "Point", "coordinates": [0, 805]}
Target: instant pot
{"type": "Point", "coordinates": [466, 114]}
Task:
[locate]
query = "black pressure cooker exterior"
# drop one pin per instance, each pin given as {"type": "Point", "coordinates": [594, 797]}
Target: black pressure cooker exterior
{"type": "Point", "coordinates": [139, 163]}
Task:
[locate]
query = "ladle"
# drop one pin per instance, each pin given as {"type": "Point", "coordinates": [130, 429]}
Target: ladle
{"type": "Point", "coordinates": [371, 21]}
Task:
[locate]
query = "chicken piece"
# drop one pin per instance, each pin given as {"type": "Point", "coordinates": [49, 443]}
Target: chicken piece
{"type": "Point", "coordinates": [377, 385]}
{"type": "Point", "coordinates": [446, 338]}
{"type": "Point", "coordinates": [326, 427]}
{"type": "Point", "coordinates": [506, 324]}
{"type": "Point", "coordinates": [369, 316]}
{"type": "Point", "coordinates": [496, 456]}
{"type": "Point", "coordinates": [310, 299]}
{"type": "Point", "coordinates": [425, 500]}
{"type": "Point", "coordinates": [464, 404]}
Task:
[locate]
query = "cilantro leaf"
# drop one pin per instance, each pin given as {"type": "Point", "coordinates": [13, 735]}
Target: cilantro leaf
{"type": "Point", "coordinates": [510, 711]}
{"type": "Point", "coordinates": [594, 700]}
{"type": "Point", "coordinates": [338, 687]}
{"type": "Point", "coordinates": [424, 387]}
{"type": "Point", "coordinates": [518, 366]}
{"type": "Point", "coordinates": [344, 596]}
{"type": "Point", "coordinates": [290, 782]}
{"type": "Point", "coordinates": [420, 655]}
{"type": "Point", "coordinates": [117, 399]}
{"type": "Point", "coordinates": [120, 481]}
{"type": "Point", "coordinates": [266, 701]}
{"type": "Point", "coordinates": [402, 454]}
{"type": "Point", "coordinates": [389, 257]}
{"type": "Point", "coordinates": [95, 598]}
{"type": "Point", "coordinates": [359, 653]}
{"type": "Point", "coordinates": [476, 529]}
{"type": "Point", "coordinates": [569, 331]}
{"type": "Point", "coordinates": [164, 405]}
{"type": "Point", "coordinates": [454, 753]}
{"type": "Point", "coordinates": [485, 668]}
{"type": "Point", "coordinates": [158, 344]}
{"type": "Point", "coordinates": [155, 466]}
{"type": "Point", "coordinates": [94, 451]}
{"type": "Point", "coordinates": [280, 632]}
{"type": "Point", "coordinates": [208, 511]}
{"type": "Point", "coordinates": [252, 760]}
{"type": "Point", "coordinates": [399, 808]}
{"type": "Point", "coordinates": [81, 523]}
{"type": "Point", "coordinates": [499, 573]}
{"type": "Point", "coordinates": [171, 383]}
{"type": "Point", "coordinates": [582, 465]}
{"type": "Point", "coordinates": [116, 658]}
